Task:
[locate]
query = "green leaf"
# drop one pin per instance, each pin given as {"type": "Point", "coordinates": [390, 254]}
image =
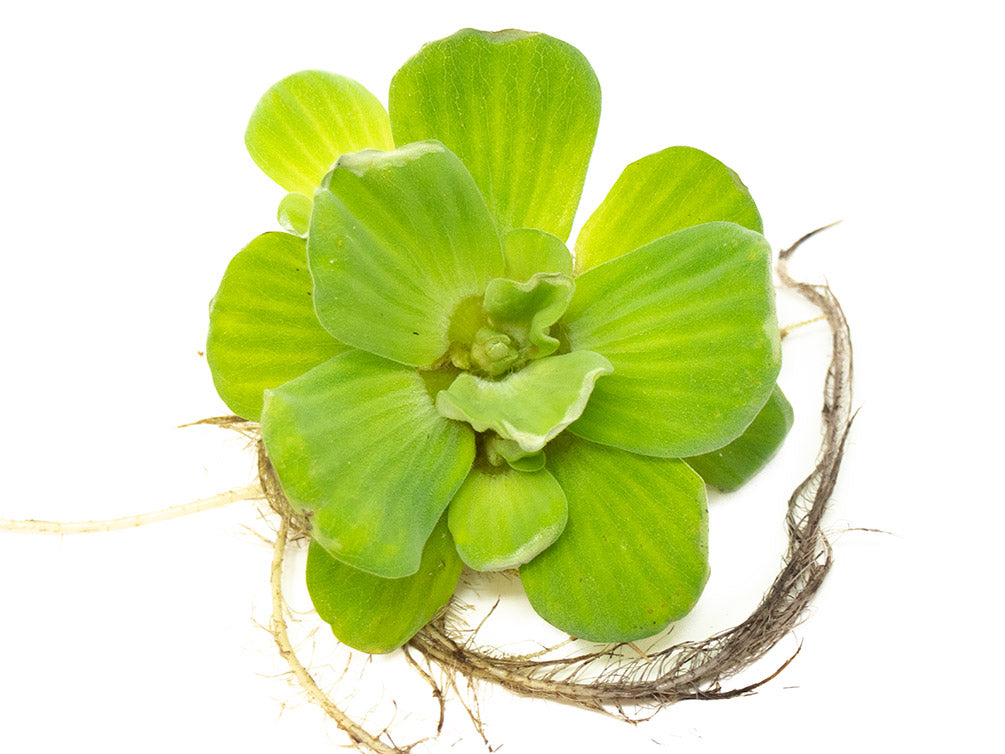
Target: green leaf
{"type": "Point", "coordinates": [520, 109]}
{"type": "Point", "coordinates": [398, 241]}
{"type": "Point", "coordinates": [304, 122]}
{"type": "Point", "coordinates": [634, 554]}
{"type": "Point", "coordinates": [531, 406]}
{"type": "Point", "coordinates": [378, 615]}
{"type": "Point", "coordinates": [527, 461]}
{"type": "Point", "coordinates": [295, 213]}
{"type": "Point", "coordinates": [357, 442]}
{"type": "Point", "coordinates": [502, 518]}
{"type": "Point", "coordinates": [688, 323]}
{"type": "Point", "coordinates": [529, 251]}
{"type": "Point", "coordinates": [499, 451]}
{"type": "Point", "coordinates": [262, 327]}
{"type": "Point", "coordinates": [659, 194]}
{"type": "Point", "coordinates": [730, 467]}
{"type": "Point", "coordinates": [527, 310]}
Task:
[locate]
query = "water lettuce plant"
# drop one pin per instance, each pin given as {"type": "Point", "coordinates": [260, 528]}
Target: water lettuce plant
{"type": "Point", "coordinates": [441, 382]}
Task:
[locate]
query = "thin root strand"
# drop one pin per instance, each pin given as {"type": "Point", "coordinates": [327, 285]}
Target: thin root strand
{"type": "Point", "coordinates": [31, 526]}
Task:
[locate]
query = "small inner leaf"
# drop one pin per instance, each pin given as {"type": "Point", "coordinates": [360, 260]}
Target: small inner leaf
{"type": "Point", "coordinates": [295, 213]}
{"type": "Point", "coordinates": [501, 518]}
{"type": "Point", "coordinates": [527, 310]}
{"type": "Point", "coordinates": [531, 406]}
{"type": "Point", "coordinates": [499, 451]}
{"type": "Point", "coordinates": [529, 251]}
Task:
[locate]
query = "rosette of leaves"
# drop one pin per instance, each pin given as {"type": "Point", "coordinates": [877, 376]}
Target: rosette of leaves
{"type": "Point", "coordinates": [441, 382]}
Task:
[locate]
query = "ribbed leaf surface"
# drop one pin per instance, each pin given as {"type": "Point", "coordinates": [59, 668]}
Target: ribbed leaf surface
{"type": "Point", "coordinates": [303, 123]}
{"type": "Point", "coordinates": [397, 241]}
{"type": "Point", "coordinates": [688, 323]}
{"type": "Point", "coordinates": [658, 195]}
{"type": "Point", "coordinates": [501, 518]}
{"type": "Point", "coordinates": [378, 615]}
{"type": "Point", "coordinates": [634, 553]}
{"type": "Point", "coordinates": [262, 327]}
{"type": "Point", "coordinates": [520, 109]}
{"type": "Point", "coordinates": [357, 442]}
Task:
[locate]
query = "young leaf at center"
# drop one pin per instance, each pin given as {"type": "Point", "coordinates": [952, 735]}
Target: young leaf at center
{"type": "Point", "coordinates": [529, 251]}
{"type": "Point", "coordinates": [531, 406]}
{"type": "Point", "coordinates": [530, 308]}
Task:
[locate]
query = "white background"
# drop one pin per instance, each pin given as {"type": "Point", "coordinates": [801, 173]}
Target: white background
{"type": "Point", "coordinates": [125, 190]}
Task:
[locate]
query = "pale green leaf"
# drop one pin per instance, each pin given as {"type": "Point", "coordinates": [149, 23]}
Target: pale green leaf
{"type": "Point", "coordinates": [378, 615]}
{"type": "Point", "coordinates": [529, 251]}
{"type": "Point", "coordinates": [527, 310]}
{"type": "Point", "coordinates": [303, 123]}
{"type": "Point", "coordinates": [634, 554]}
{"type": "Point", "coordinates": [528, 461]}
{"type": "Point", "coordinates": [659, 194]}
{"type": "Point", "coordinates": [731, 466]}
{"type": "Point", "coordinates": [530, 406]}
{"type": "Point", "coordinates": [295, 213]}
{"type": "Point", "coordinates": [501, 518]}
{"type": "Point", "coordinates": [688, 323]}
{"type": "Point", "coordinates": [520, 109]}
{"type": "Point", "coordinates": [499, 451]}
{"type": "Point", "coordinates": [398, 241]}
{"type": "Point", "coordinates": [358, 444]}
{"type": "Point", "coordinates": [262, 327]}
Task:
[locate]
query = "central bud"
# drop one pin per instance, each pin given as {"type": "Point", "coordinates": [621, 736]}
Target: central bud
{"type": "Point", "coordinates": [509, 326]}
{"type": "Point", "coordinates": [514, 387]}
{"type": "Point", "coordinates": [494, 353]}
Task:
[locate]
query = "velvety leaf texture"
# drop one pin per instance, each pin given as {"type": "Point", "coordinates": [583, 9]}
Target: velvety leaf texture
{"type": "Point", "coordinates": [304, 122]}
{"type": "Point", "coordinates": [634, 553]}
{"type": "Point", "coordinates": [501, 518]}
{"type": "Point", "coordinates": [378, 615]}
{"type": "Point", "coordinates": [357, 442]}
{"type": "Point", "coordinates": [660, 194]}
{"type": "Point", "coordinates": [688, 323]}
{"type": "Point", "coordinates": [397, 241]}
{"type": "Point", "coordinates": [262, 327]}
{"type": "Point", "coordinates": [520, 110]}
{"type": "Point", "coordinates": [731, 466]}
